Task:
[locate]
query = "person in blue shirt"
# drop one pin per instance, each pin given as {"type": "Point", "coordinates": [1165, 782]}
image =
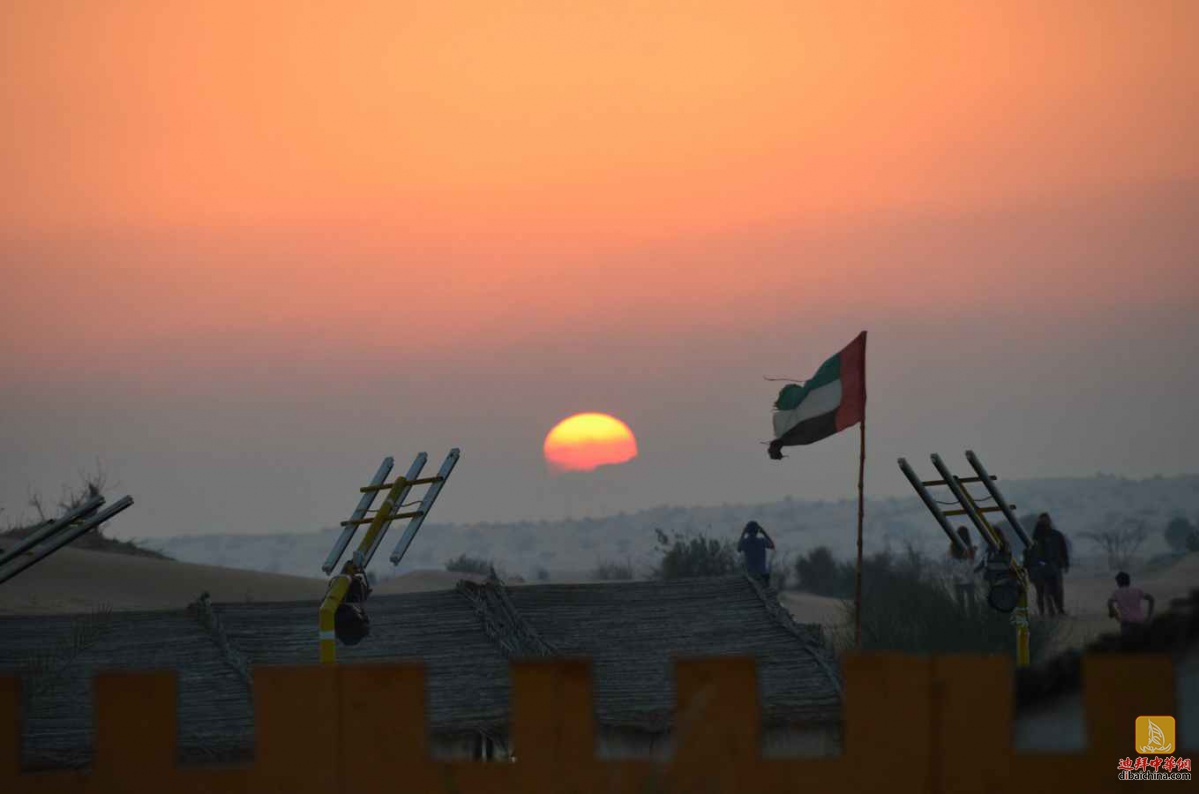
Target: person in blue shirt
{"type": "Point", "coordinates": [753, 545]}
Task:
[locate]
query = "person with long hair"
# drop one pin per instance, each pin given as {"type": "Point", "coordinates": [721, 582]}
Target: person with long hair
{"type": "Point", "coordinates": [1046, 561]}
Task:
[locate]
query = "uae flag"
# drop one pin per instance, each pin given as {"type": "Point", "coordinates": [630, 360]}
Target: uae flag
{"type": "Point", "coordinates": [830, 401]}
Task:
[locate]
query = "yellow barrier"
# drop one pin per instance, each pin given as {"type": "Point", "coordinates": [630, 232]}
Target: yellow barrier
{"type": "Point", "coordinates": [912, 725]}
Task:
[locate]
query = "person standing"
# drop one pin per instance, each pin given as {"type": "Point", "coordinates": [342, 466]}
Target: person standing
{"type": "Point", "coordinates": [1047, 561]}
{"type": "Point", "coordinates": [1036, 566]}
{"type": "Point", "coordinates": [1059, 563]}
{"type": "Point", "coordinates": [961, 567]}
{"type": "Point", "coordinates": [753, 545]}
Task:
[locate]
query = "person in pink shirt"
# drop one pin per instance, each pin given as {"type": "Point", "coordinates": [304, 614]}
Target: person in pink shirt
{"type": "Point", "coordinates": [1125, 605]}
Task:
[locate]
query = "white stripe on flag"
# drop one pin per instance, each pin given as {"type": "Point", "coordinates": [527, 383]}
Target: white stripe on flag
{"type": "Point", "coordinates": [820, 401]}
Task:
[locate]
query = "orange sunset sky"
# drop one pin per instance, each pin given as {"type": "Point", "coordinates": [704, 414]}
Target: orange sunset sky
{"type": "Point", "coordinates": [249, 248]}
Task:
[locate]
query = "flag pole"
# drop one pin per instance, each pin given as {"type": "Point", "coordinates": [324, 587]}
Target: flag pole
{"type": "Point", "coordinates": [857, 579]}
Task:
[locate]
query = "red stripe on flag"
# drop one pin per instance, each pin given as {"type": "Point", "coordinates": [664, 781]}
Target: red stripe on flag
{"type": "Point", "coordinates": [853, 384]}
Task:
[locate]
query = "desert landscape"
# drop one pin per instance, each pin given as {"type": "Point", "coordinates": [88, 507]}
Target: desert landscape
{"type": "Point", "coordinates": [76, 581]}
{"type": "Point", "coordinates": [660, 341]}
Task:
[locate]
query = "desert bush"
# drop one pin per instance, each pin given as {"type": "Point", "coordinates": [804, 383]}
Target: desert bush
{"type": "Point", "coordinates": [464, 563]}
{"type": "Point", "coordinates": [817, 572]}
{"type": "Point", "coordinates": [687, 556]}
{"type": "Point", "coordinates": [1177, 532]}
{"type": "Point", "coordinates": [610, 571]}
{"type": "Point", "coordinates": [91, 485]}
{"type": "Point", "coordinates": [906, 606]}
{"type": "Point", "coordinates": [780, 571]}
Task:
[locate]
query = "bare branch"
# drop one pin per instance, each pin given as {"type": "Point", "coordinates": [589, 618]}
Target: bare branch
{"type": "Point", "coordinates": [35, 501]}
{"type": "Point", "coordinates": [91, 486]}
{"type": "Point", "coordinates": [1120, 540]}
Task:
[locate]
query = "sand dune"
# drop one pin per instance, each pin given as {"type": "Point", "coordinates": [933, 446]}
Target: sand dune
{"type": "Point", "coordinates": [75, 580]}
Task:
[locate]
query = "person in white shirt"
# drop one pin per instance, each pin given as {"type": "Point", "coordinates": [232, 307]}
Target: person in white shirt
{"type": "Point", "coordinates": [961, 570]}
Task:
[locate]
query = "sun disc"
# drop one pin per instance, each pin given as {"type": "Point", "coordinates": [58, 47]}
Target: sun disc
{"type": "Point", "coordinates": [586, 441]}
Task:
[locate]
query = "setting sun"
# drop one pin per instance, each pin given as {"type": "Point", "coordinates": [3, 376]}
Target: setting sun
{"type": "Point", "coordinates": [585, 441]}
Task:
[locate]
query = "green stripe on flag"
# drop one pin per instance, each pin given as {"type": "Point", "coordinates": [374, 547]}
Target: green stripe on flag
{"type": "Point", "coordinates": [792, 395]}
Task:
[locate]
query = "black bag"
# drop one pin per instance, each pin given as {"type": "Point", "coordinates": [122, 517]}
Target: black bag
{"type": "Point", "coordinates": [351, 624]}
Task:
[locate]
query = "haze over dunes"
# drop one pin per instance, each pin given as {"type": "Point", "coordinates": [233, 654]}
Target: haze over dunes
{"type": "Point", "coordinates": [525, 548]}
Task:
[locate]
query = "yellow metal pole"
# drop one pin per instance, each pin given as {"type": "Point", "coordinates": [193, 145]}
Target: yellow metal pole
{"type": "Point", "coordinates": [388, 511]}
{"type": "Point", "coordinates": [1020, 613]}
{"type": "Point", "coordinates": [333, 598]}
{"type": "Point", "coordinates": [340, 585]}
{"type": "Point", "coordinates": [1020, 618]}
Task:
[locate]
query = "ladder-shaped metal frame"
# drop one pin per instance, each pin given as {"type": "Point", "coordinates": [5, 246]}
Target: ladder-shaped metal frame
{"type": "Point", "coordinates": [426, 505]}
{"type": "Point", "coordinates": [970, 508]}
{"type": "Point", "coordinates": [390, 510]}
{"type": "Point", "coordinates": [364, 504]}
{"type": "Point", "coordinates": [71, 525]}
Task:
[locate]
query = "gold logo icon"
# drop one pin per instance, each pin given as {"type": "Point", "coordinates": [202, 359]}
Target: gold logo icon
{"type": "Point", "coordinates": [1155, 735]}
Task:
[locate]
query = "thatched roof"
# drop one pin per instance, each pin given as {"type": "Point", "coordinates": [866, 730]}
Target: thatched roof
{"type": "Point", "coordinates": [56, 657]}
{"type": "Point", "coordinates": [634, 630]}
{"type": "Point", "coordinates": [465, 638]}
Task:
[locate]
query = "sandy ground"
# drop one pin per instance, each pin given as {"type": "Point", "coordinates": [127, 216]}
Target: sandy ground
{"type": "Point", "coordinates": [1086, 601]}
{"type": "Point", "coordinates": [808, 608]}
{"type": "Point", "coordinates": [1087, 594]}
{"type": "Point", "coordinates": [75, 580]}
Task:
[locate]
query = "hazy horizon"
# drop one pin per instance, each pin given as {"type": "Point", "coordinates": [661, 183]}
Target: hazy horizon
{"type": "Point", "coordinates": [245, 256]}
